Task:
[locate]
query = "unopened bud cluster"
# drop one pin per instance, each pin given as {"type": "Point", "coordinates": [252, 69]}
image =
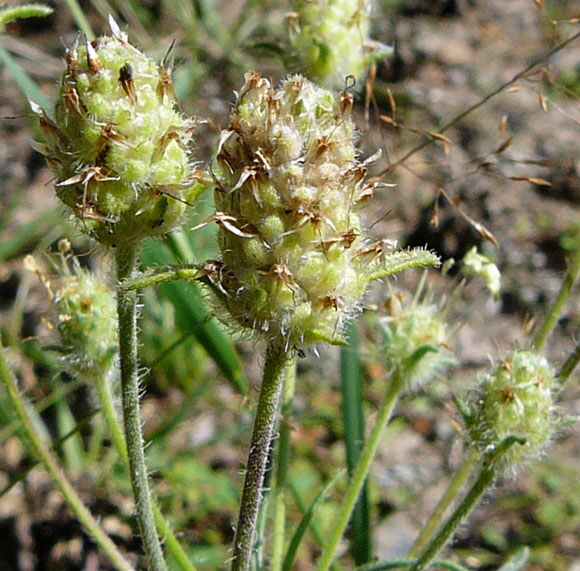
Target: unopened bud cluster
{"type": "Point", "coordinates": [330, 40]}
{"type": "Point", "coordinates": [515, 399]}
{"type": "Point", "coordinates": [86, 323]}
{"type": "Point", "coordinates": [476, 264]}
{"type": "Point", "coordinates": [294, 260]}
{"type": "Point", "coordinates": [416, 341]}
{"type": "Point", "coordinates": [118, 145]}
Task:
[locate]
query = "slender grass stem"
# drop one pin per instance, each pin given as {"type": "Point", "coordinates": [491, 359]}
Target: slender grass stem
{"type": "Point", "coordinates": [446, 500]}
{"type": "Point", "coordinates": [126, 258]}
{"type": "Point", "coordinates": [520, 75]}
{"type": "Point", "coordinates": [569, 365]}
{"type": "Point", "coordinates": [359, 475]}
{"type": "Point", "coordinates": [80, 19]}
{"type": "Point", "coordinates": [556, 310]}
{"type": "Point", "coordinates": [283, 461]}
{"type": "Point", "coordinates": [266, 414]}
{"type": "Point", "coordinates": [39, 450]}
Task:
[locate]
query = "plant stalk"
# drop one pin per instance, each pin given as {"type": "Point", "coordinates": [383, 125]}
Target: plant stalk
{"type": "Point", "coordinates": [283, 461]}
{"type": "Point", "coordinates": [126, 258]}
{"type": "Point", "coordinates": [105, 395]}
{"type": "Point", "coordinates": [446, 500]}
{"type": "Point", "coordinates": [360, 473]}
{"type": "Point", "coordinates": [50, 464]}
{"type": "Point", "coordinates": [266, 414]}
{"type": "Point", "coordinates": [556, 309]}
{"type": "Point", "coordinates": [485, 479]}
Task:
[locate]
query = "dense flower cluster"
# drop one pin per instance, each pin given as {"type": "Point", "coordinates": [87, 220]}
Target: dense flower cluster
{"type": "Point", "coordinates": [329, 40]}
{"type": "Point", "coordinates": [295, 263]}
{"type": "Point", "coordinates": [118, 145]}
{"type": "Point", "coordinates": [515, 399]}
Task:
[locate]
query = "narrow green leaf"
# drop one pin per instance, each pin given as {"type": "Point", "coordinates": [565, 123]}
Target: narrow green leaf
{"type": "Point", "coordinates": [405, 563]}
{"type": "Point", "coordinates": [23, 81]}
{"type": "Point", "coordinates": [516, 561]}
{"type": "Point", "coordinates": [305, 522]}
{"type": "Point", "coordinates": [27, 237]}
{"type": "Point", "coordinates": [354, 430]}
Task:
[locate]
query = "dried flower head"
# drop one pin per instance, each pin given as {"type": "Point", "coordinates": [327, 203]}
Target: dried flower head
{"type": "Point", "coordinates": [120, 149]}
{"type": "Point", "coordinates": [295, 263]}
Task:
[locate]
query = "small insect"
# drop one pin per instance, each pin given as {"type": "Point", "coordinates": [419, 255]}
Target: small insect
{"type": "Point", "coordinates": [126, 75]}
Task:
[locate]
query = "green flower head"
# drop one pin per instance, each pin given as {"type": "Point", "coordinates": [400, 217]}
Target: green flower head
{"type": "Point", "coordinates": [120, 149]}
{"type": "Point", "coordinates": [295, 262]}
{"type": "Point", "coordinates": [329, 40]}
{"type": "Point", "coordinates": [515, 399]}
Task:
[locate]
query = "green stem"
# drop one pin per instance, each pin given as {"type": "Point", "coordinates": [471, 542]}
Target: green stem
{"type": "Point", "coordinates": [155, 276]}
{"type": "Point", "coordinates": [570, 364]}
{"type": "Point", "coordinates": [486, 478]}
{"type": "Point", "coordinates": [404, 563]}
{"type": "Point", "coordinates": [556, 309]}
{"type": "Point", "coordinates": [266, 414]}
{"type": "Point", "coordinates": [126, 258]}
{"type": "Point", "coordinates": [448, 497]}
{"type": "Point", "coordinates": [105, 395]}
{"type": "Point", "coordinates": [359, 475]}
{"type": "Point", "coordinates": [50, 464]}
{"type": "Point", "coordinates": [23, 11]}
{"type": "Point", "coordinates": [80, 19]}
{"type": "Point", "coordinates": [283, 460]}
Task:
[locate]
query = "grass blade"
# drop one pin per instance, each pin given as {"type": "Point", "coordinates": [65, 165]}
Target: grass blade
{"type": "Point", "coordinates": [23, 81]}
{"type": "Point", "coordinates": [305, 522]}
{"type": "Point", "coordinates": [353, 420]}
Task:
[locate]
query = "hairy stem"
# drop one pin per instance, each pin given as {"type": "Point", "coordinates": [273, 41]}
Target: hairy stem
{"type": "Point", "coordinates": [446, 500]}
{"type": "Point", "coordinates": [485, 479]}
{"type": "Point", "coordinates": [556, 309]}
{"type": "Point", "coordinates": [283, 458]}
{"type": "Point", "coordinates": [126, 258]}
{"type": "Point", "coordinates": [266, 415]}
{"type": "Point", "coordinates": [105, 395]}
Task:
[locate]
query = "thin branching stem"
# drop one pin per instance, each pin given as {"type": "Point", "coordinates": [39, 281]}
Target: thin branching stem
{"type": "Point", "coordinates": [520, 75]}
{"type": "Point", "coordinates": [126, 258]}
{"type": "Point", "coordinates": [266, 415]}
